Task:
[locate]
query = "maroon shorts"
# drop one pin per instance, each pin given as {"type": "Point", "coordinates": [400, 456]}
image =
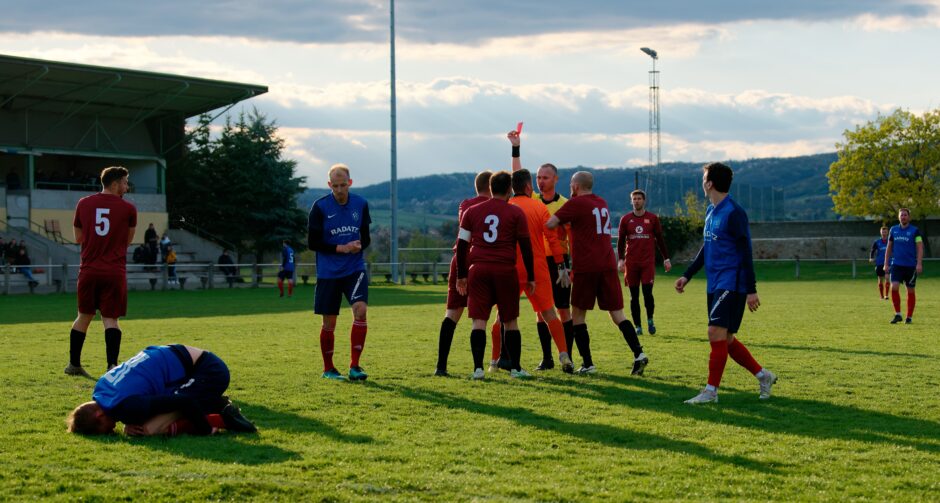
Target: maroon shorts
{"type": "Point", "coordinates": [490, 284]}
{"type": "Point", "coordinates": [603, 286]}
{"type": "Point", "coordinates": [454, 299]}
{"type": "Point", "coordinates": [638, 274]}
{"type": "Point", "coordinates": [105, 293]}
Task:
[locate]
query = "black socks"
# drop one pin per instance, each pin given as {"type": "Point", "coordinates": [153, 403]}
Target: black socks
{"type": "Point", "coordinates": [629, 335]}
{"type": "Point", "coordinates": [76, 341]}
{"type": "Point", "coordinates": [583, 340]}
{"type": "Point", "coordinates": [545, 339]}
{"type": "Point", "coordinates": [112, 343]}
{"type": "Point", "coordinates": [477, 347]}
{"type": "Point", "coordinates": [444, 341]}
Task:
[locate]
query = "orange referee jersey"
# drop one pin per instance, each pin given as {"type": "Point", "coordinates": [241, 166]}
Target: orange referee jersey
{"type": "Point", "coordinates": [537, 215]}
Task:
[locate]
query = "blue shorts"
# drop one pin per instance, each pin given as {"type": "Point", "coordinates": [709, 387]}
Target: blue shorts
{"type": "Point", "coordinates": [904, 274]}
{"type": "Point", "coordinates": [726, 309]}
{"type": "Point", "coordinates": [288, 275]}
{"type": "Point", "coordinates": [880, 270]}
{"type": "Point", "coordinates": [330, 292]}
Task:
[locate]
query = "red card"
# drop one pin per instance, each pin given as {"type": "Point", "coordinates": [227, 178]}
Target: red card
{"type": "Point", "coordinates": [519, 128]}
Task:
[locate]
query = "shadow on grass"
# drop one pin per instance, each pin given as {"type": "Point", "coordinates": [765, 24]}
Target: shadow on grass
{"type": "Point", "coordinates": [783, 415]}
{"type": "Point", "coordinates": [267, 418]}
{"type": "Point", "coordinates": [207, 303]}
{"type": "Point", "coordinates": [224, 448]}
{"type": "Point", "coordinates": [598, 433]}
{"type": "Point", "coordinates": [813, 349]}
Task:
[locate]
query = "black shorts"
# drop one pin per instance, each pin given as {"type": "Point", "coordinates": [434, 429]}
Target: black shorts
{"type": "Point", "coordinates": [904, 274]}
{"type": "Point", "coordinates": [330, 292]}
{"type": "Point", "coordinates": [288, 275]}
{"type": "Point", "coordinates": [880, 271]}
{"type": "Point", "coordinates": [207, 379]}
{"type": "Point", "coordinates": [561, 294]}
{"type": "Point", "coordinates": [726, 309]}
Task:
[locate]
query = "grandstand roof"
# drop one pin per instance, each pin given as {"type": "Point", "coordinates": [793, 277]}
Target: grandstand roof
{"type": "Point", "coordinates": [71, 89]}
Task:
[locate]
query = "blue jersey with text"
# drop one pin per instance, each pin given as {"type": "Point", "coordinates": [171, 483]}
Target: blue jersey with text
{"type": "Point", "coordinates": [155, 371]}
{"type": "Point", "coordinates": [339, 224]}
{"type": "Point", "coordinates": [726, 251]}
{"type": "Point", "coordinates": [904, 245]}
{"type": "Point", "coordinates": [878, 249]}
{"type": "Point", "coordinates": [287, 259]}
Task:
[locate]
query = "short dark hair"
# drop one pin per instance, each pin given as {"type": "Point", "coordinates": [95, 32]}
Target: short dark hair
{"type": "Point", "coordinates": [520, 179]}
{"type": "Point", "coordinates": [500, 183]}
{"type": "Point", "coordinates": [549, 166]}
{"type": "Point", "coordinates": [904, 209]}
{"type": "Point", "coordinates": [112, 174]}
{"type": "Point", "coordinates": [638, 192]}
{"type": "Point", "coordinates": [84, 419]}
{"type": "Point", "coordinates": [720, 175]}
{"type": "Point", "coordinates": [482, 181]}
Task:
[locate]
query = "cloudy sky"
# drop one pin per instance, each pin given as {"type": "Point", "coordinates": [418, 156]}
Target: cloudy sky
{"type": "Point", "coordinates": [740, 78]}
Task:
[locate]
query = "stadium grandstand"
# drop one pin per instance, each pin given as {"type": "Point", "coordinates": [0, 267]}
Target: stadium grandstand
{"type": "Point", "coordinates": [61, 123]}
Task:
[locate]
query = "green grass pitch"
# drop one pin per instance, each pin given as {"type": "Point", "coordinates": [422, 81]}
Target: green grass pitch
{"type": "Point", "coordinates": [856, 414]}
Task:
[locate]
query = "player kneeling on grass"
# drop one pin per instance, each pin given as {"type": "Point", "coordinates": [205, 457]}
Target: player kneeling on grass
{"type": "Point", "coordinates": [162, 390]}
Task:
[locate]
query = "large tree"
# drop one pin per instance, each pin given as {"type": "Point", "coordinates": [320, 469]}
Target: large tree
{"type": "Point", "coordinates": [887, 164]}
{"type": "Point", "coordinates": [238, 186]}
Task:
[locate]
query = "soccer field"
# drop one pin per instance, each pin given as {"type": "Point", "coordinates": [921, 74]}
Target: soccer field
{"type": "Point", "coordinates": [855, 415]}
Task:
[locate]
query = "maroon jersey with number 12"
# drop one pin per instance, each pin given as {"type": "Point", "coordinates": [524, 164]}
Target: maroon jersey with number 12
{"type": "Point", "coordinates": [591, 247]}
{"type": "Point", "coordinates": [495, 227]}
{"type": "Point", "coordinates": [105, 221]}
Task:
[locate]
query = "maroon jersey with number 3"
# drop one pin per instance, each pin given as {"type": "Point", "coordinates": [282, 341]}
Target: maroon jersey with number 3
{"type": "Point", "coordinates": [105, 221]}
{"type": "Point", "coordinates": [591, 248]}
{"type": "Point", "coordinates": [495, 226]}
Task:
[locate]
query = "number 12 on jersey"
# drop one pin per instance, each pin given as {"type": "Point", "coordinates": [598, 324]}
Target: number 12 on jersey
{"type": "Point", "coordinates": [602, 213]}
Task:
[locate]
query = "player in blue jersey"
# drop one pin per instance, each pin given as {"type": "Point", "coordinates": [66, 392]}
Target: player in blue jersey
{"type": "Point", "coordinates": [905, 257]}
{"type": "Point", "coordinates": [338, 230]}
{"type": "Point", "coordinates": [729, 267]}
{"type": "Point", "coordinates": [286, 270]}
{"type": "Point", "coordinates": [178, 379]}
{"type": "Point", "coordinates": [877, 256]}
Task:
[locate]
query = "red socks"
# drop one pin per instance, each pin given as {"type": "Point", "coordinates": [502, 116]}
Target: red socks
{"type": "Point", "coordinates": [280, 286]}
{"type": "Point", "coordinates": [896, 299]}
{"type": "Point", "coordinates": [881, 289]}
{"type": "Point", "coordinates": [739, 353]}
{"type": "Point", "coordinates": [717, 361]}
{"type": "Point", "coordinates": [326, 347]}
{"type": "Point", "coordinates": [290, 288]}
{"type": "Point", "coordinates": [911, 300]}
{"type": "Point", "coordinates": [357, 339]}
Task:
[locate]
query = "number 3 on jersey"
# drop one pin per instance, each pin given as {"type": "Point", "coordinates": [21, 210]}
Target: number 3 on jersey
{"type": "Point", "coordinates": [492, 221]}
{"type": "Point", "coordinates": [102, 223]}
{"type": "Point", "coordinates": [602, 213]}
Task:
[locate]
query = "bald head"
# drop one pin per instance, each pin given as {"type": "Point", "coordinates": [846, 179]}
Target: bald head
{"type": "Point", "coordinates": [584, 181]}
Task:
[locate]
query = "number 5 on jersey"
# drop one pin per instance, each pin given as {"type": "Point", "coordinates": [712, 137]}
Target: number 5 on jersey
{"type": "Point", "coordinates": [102, 223]}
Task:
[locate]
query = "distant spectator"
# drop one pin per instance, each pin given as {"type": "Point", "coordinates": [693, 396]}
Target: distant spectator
{"type": "Point", "coordinates": [23, 264]}
{"type": "Point", "coordinates": [150, 238]}
{"type": "Point", "coordinates": [171, 264]}
{"type": "Point", "coordinates": [141, 254]}
{"type": "Point", "coordinates": [164, 246]}
{"type": "Point", "coordinates": [227, 267]}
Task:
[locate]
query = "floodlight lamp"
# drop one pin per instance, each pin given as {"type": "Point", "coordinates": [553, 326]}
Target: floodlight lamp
{"type": "Point", "coordinates": [650, 52]}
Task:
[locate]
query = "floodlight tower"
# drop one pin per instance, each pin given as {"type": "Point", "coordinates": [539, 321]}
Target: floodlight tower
{"type": "Point", "coordinates": [654, 111]}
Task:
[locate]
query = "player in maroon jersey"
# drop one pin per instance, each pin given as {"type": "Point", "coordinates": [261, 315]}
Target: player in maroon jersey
{"type": "Point", "coordinates": [455, 301]}
{"type": "Point", "coordinates": [104, 226]}
{"type": "Point", "coordinates": [486, 269]}
{"type": "Point", "coordinates": [636, 235]}
{"type": "Point", "coordinates": [594, 269]}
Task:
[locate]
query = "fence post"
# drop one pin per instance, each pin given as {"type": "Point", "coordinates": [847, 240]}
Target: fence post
{"type": "Point", "coordinates": [853, 268]}
{"type": "Point", "coordinates": [166, 275]}
{"type": "Point", "coordinates": [49, 274]}
{"type": "Point", "coordinates": [798, 268]}
{"type": "Point", "coordinates": [434, 273]}
{"type": "Point", "coordinates": [401, 270]}
{"type": "Point", "coordinates": [65, 278]}
{"type": "Point", "coordinates": [255, 275]}
{"type": "Point", "coordinates": [211, 275]}
{"type": "Point", "coordinates": [6, 280]}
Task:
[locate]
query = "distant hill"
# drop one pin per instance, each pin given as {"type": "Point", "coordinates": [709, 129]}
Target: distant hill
{"type": "Point", "coordinates": [790, 188]}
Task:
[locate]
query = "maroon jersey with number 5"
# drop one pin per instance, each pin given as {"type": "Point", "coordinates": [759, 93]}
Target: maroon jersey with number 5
{"type": "Point", "coordinates": [494, 228]}
{"type": "Point", "coordinates": [105, 221]}
{"type": "Point", "coordinates": [591, 247]}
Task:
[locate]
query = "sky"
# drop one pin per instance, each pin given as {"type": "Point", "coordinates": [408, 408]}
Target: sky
{"type": "Point", "coordinates": [739, 78]}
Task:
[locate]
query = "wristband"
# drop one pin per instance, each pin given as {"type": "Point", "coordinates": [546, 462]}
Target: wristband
{"type": "Point", "coordinates": [515, 150]}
